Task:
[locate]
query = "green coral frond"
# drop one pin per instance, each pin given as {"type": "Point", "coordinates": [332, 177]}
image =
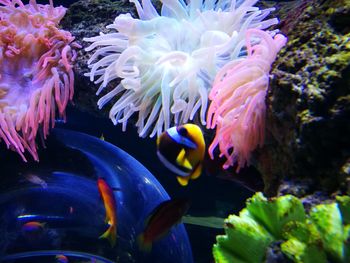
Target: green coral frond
{"type": "Point", "coordinates": [273, 214]}
{"type": "Point", "coordinates": [304, 243]}
{"type": "Point", "coordinates": [347, 243]}
{"type": "Point", "coordinates": [223, 256]}
{"type": "Point", "coordinates": [301, 252]}
{"type": "Point", "coordinates": [245, 240]}
{"type": "Point", "coordinates": [328, 220]}
{"type": "Point", "coordinates": [305, 232]}
{"type": "Point", "coordinates": [344, 206]}
{"type": "Point", "coordinates": [321, 236]}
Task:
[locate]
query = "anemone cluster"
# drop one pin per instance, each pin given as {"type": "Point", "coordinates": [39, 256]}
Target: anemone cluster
{"type": "Point", "coordinates": [168, 62]}
{"type": "Point", "coordinates": [36, 75]}
{"type": "Point", "coordinates": [237, 108]}
{"type": "Point", "coordinates": [203, 59]}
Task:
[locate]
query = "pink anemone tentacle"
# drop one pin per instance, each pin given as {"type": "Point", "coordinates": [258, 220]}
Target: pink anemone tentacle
{"type": "Point", "coordinates": [237, 108]}
{"type": "Point", "coordinates": [36, 72]}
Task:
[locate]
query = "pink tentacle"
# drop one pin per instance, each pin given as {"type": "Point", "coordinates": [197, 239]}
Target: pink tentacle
{"type": "Point", "coordinates": [42, 56]}
{"type": "Point", "coordinates": [237, 108]}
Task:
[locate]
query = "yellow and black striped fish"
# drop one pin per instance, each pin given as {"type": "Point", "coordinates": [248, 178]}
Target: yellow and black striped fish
{"type": "Point", "coordinates": [181, 149]}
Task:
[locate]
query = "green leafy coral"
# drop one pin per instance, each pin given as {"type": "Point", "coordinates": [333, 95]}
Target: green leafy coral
{"type": "Point", "coordinates": [322, 235]}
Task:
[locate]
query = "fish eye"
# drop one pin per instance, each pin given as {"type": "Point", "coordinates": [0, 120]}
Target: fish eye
{"type": "Point", "coordinates": [182, 131]}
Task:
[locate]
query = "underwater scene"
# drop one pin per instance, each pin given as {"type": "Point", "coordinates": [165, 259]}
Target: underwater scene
{"type": "Point", "coordinates": [175, 131]}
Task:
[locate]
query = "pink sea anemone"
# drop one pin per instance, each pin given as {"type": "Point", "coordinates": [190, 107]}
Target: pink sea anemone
{"type": "Point", "coordinates": [35, 72]}
{"type": "Point", "coordinates": [237, 108]}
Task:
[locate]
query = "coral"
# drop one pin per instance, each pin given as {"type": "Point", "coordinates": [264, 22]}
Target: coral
{"type": "Point", "coordinates": [35, 72]}
{"type": "Point", "coordinates": [322, 234]}
{"type": "Point", "coordinates": [167, 62]}
{"type": "Point", "coordinates": [237, 108]}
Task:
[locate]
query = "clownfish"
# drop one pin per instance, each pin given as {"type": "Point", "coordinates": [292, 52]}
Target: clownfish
{"type": "Point", "coordinates": [182, 149]}
{"type": "Point", "coordinates": [110, 204]}
{"type": "Point", "coordinates": [161, 220]}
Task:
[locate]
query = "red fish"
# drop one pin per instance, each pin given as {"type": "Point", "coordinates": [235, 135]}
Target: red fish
{"type": "Point", "coordinates": [110, 205]}
{"type": "Point", "coordinates": [161, 220]}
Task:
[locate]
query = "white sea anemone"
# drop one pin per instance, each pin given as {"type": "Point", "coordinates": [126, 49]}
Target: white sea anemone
{"type": "Point", "coordinates": [167, 63]}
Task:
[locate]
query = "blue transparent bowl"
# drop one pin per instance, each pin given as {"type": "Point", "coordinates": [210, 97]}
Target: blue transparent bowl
{"type": "Point", "coordinates": [68, 204]}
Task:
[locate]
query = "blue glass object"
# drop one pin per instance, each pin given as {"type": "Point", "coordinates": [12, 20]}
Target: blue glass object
{"type": "Point", "coordinates": [67, 204]}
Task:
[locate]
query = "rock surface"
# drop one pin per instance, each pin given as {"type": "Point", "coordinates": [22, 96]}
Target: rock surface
{"type": "Point", "coordinates": [309, 100]}
{"type": "Point", "coordinates": [87, 19]}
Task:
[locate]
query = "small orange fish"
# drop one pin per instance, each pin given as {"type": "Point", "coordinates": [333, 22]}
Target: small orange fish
{"type": "Point", "coordinates": [182, 149]}
{"type": "Point", "coordinates": [107, 195]}
{"type": "Point", "coordinates": [161, 220]}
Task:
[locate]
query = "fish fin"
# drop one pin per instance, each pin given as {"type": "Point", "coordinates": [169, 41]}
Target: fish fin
{"type": "Point", "coordinates": [196, 172]}
{"type": "Point", "coordinates": [183, 161]}
{"type": "Point", "coordinates": [165, 233]}
{"type": "Point", "coordinates": [111, 235]}
{"type": "Point", "coordinates": [155, 211]}
{"type": "Point", "coordinates": [144, 245]}
{"type": "Point", "coordinates": [182, 180]}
